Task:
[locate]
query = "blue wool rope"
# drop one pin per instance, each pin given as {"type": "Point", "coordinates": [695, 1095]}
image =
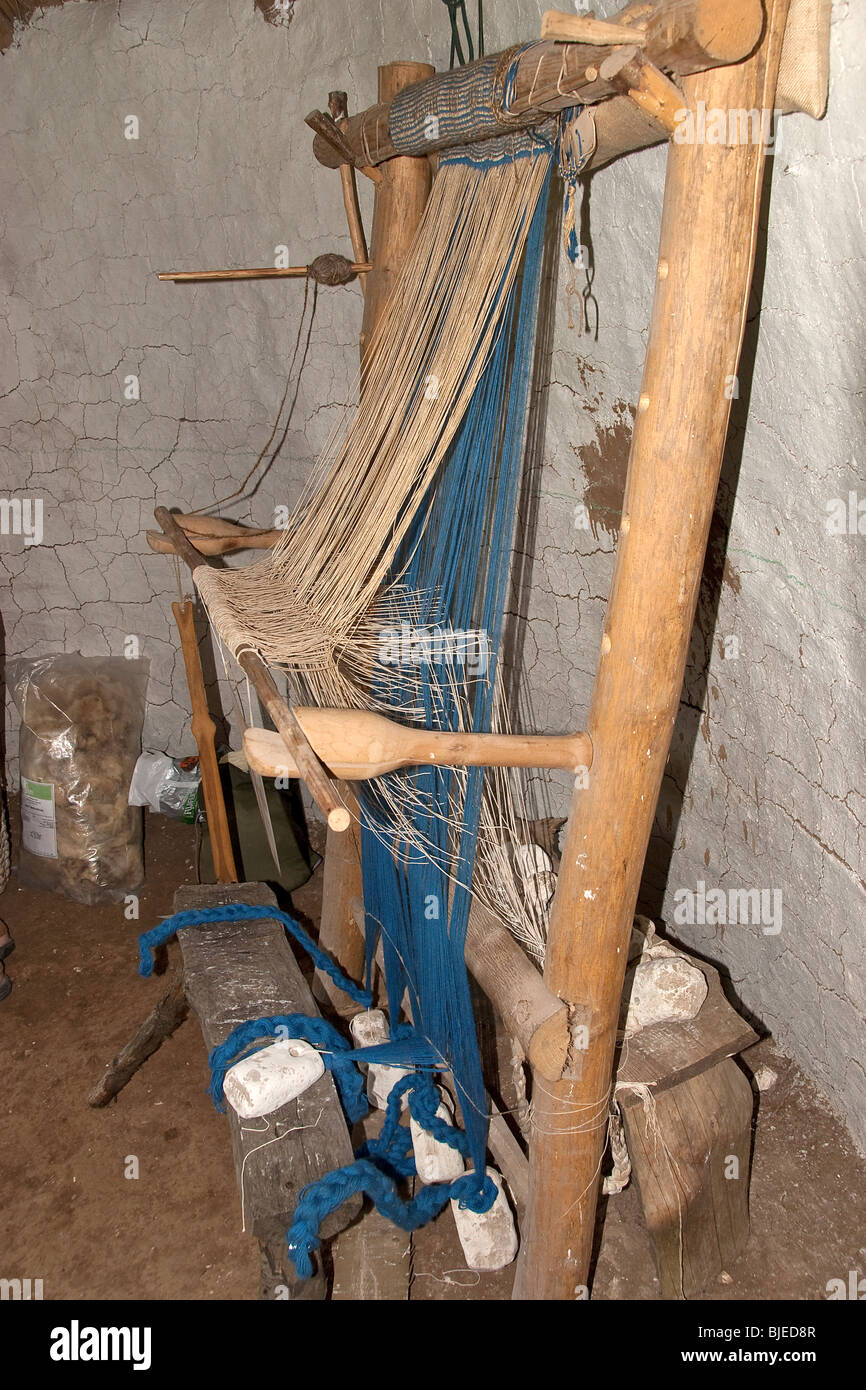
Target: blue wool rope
{"type": "Point", "coordinates": [378, 1163]}
{"type": "Point", "coordinates": [239, 912]}
{"type": "Point", "coordinates": [391, 1145]}
{"type": "Point", "coordinates": [392, 1151]}
{"type": "Point", "coordinates": [319, 1199]}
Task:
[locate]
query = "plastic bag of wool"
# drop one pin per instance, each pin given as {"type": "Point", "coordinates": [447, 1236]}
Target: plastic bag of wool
{"type": "Point", "coordinates": [419, 831]}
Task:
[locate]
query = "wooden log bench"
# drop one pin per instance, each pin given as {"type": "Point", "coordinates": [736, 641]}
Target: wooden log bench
{"type": "Point", "coordinates": [232, 972]}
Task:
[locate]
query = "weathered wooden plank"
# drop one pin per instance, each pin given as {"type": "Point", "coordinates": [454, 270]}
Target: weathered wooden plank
{"type": "Point", "coordinates": [235, 971]}
{"type": "Point", "coordinates": [372, 1258]}
{"type": "Point", "coordinates": [690, 1155]}
{"type": "Point", "coordinates": [665, 1054]}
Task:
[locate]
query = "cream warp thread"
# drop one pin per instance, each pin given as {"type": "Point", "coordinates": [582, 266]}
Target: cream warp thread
{"type": "Point", "coordinates": [316, 603]}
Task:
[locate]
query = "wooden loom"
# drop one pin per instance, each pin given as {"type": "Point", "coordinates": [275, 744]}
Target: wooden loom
{"type": "Point", "coordinates": [656, 59]}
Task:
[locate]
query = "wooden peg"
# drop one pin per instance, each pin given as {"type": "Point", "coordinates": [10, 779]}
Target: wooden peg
{"type": "Point", "coordinates": [203, 731]}
{"type": "Point", "coordinates": [325, 125]}
{"type": "Point", "coordinates": [575, 28]}
{"type": "Point", "coordinates": [646, 85]}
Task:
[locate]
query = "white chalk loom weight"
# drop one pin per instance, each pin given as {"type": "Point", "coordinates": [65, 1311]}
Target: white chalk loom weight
{"type": "Point", "coordinates": [266, 1080]}
{"type": "Point", "coordinates": [370, 1028]}
{"type": "Point", "coordinates": [489, 1238]}
{"type": "Point", "coordinates": [435, 1161]}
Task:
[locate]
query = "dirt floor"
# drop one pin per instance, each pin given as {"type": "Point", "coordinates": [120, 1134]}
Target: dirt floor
{"type": "Point", "coordinates": [71, 1215]}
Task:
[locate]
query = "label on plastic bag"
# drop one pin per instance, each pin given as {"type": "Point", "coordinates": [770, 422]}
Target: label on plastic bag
{"type": "Point", "coordinates": [38, 821]}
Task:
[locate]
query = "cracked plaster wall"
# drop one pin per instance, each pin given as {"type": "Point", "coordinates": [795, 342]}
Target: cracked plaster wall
{"type": "Point", "coordinates": [764, 787]}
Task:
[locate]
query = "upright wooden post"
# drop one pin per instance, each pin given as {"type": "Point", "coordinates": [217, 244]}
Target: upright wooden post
{"type": "Point", "coordinates": [399, 202]}
{"type": "Point", "coordinates": [203, 731]}
{"type": "Point", "coordinates": [706, 256]}
{"type": "Point", "coordinates": [400, 197]}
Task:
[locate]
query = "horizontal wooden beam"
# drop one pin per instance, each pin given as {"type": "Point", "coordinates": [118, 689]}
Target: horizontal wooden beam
{"type": "Point", "coordinates": [309, 768]}
{"type": "Point", "coordinates": [676, 36]}
{"type": "Point", "coordinates": [533, 1015]}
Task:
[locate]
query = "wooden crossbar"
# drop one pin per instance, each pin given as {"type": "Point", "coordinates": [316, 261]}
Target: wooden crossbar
{"type": "Point", "coordinates": [676, 36]}
{"type": "Point", "coordinates": [310, 770]}
{"type": "Point", "coordinates": [358, 745]}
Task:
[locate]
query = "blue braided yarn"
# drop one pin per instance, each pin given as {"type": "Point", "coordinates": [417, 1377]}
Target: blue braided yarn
{"type": "Point", "coordinates": [392, 1151]}
{"type": "Point", "coordinates": [316, 1031]}
{"type": "Point", "coordinates": [239, 912]}
{"type": "Point", "coordinates": [379, 1161]}
{"type": "Point", "coordinates": [319, 1199]}
{"type": "Point", "coordinates": [423, 1104]}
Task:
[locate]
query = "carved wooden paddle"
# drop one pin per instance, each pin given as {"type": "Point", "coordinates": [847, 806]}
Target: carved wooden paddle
{"type": "Point", "coordinates": [356, 744]}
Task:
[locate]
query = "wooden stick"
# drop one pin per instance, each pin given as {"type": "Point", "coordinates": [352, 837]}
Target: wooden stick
{"type": "Point", "coordinates": [706, 256]}
{"type": "Point", "coordinates": [310, 770]}
{"type": "Point", "coordinates": [204, 729]}
{"type": "Point", "coordinates": [681, 36]}
{"type": "Point", "coordinates": [358, 744]}
{"type": "Point", "coordinates": [267, 272]}
{"type": "Point", "coordinates": [309, 767]}
{"type": "Point", "coordinates": [572, 28]}
{"type": "Point", "coordinates": [214, 535]}
{"type": "Point", "coordinates": [509, 1158]}
{"type": "Point", "coordinates": [163, 1020]}
{"type": "Point", "coordinates": [338, 107]}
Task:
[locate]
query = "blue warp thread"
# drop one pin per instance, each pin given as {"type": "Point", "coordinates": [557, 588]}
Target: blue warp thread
{"type": "Point", "coordinates": [459, 560]}
{"type": "Point", "coordinates": [239, 912]}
